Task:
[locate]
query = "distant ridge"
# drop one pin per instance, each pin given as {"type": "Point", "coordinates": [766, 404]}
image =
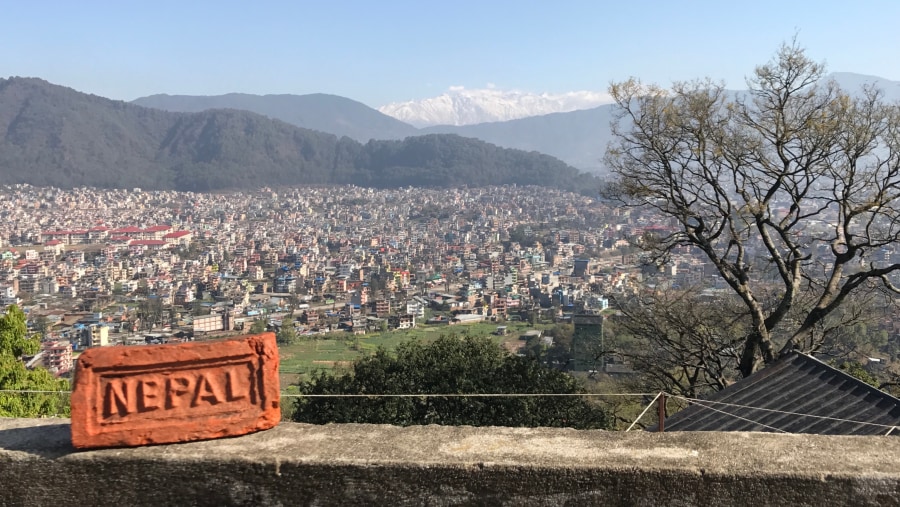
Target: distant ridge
{"type": "Point", "coordinates": [854, 82]}
{"type": "Point", "coordinates": [326, 113]}
{"type": "Point", "coordinates": [579, 137]}
{"type": "Point", "coordinates": [60, 137]}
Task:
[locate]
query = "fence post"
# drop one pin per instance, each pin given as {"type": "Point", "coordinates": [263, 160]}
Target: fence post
{"type": "Point", "coordinates": [661, 405]}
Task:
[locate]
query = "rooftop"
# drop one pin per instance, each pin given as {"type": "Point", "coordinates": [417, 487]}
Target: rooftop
{"type": "Point", "coordinates": [796, 394]}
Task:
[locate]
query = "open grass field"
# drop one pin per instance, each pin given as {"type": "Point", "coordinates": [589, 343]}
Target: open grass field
{"type": "Point", "coordinates": [337, 351]}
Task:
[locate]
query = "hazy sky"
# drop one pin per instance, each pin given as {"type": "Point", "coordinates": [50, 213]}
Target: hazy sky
{"type": "Point", "coordinates": [380, 51]}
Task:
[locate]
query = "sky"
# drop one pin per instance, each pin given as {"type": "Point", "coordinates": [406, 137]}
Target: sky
{"type": "Point", "coordinates": [382, 51]}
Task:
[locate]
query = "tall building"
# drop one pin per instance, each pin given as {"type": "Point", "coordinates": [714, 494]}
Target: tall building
{"type": "Point", "coordinates": [581, 267]}
{"type": "Point", "coordinates": [587, 342]}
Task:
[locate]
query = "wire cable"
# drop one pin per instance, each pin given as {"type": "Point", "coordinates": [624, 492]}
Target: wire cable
{"type": "Point", "coordinates": [288, 394]}
{"type": "Point", "coordinates": [645, 410]}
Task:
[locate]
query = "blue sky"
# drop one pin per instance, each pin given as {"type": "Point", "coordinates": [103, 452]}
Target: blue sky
{"type": "Point", "coordinates": [381, 51]}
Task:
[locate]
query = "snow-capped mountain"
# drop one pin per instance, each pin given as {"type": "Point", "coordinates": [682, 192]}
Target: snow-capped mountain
{"type": "Point", "coordinates": [460, 106]}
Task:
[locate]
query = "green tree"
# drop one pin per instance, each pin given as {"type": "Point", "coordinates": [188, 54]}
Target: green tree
{"type": "Point", "coordinates": [787, 191]}
{"type": "Point", "coordinates": [286, 334]}
{"type": "Point", "coordinates": [258, 326]}
{"type": "Point", "coordinates": [14, 339]}
{"type": "Point", "coordinates": [857, 370]}
{"type": "Point", "coordinates": [557, 355]}
{"type": "Point", "coordinates": [14, 376]}
{"type": "Point", "coordinates": [449, 365]}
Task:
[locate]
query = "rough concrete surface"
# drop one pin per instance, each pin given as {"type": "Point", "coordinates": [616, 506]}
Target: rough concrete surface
{"type": "Point", "coordinates": [297, 464]}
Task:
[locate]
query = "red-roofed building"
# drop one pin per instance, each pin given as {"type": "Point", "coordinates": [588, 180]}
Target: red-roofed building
{"type": "Point", "coordinates": [55, 246]}
{"type": "Point", "coordinates": [155, 231]}
{"type": "Point", "coordinates": [98, 234]}
{"type": "Point", "coordinates": [178, 237]}
{"type": "Point", "coordinates": [73, 237]}
{"type": "Point", "coordinates": [54, 235]}
{"type": "Point", "coordinates": [79, 237]}
{"type": "Point", "coordinates": [131, 232]}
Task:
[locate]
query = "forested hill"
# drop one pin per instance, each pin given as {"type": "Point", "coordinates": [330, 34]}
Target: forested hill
{"type": "Point", "coordinates": [317, 111]}
{"type": "Point", "coordinates": [60, 137]}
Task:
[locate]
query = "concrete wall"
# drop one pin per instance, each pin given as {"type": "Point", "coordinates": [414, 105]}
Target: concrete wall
{"type": "Point", "coordinates": [297, 464]}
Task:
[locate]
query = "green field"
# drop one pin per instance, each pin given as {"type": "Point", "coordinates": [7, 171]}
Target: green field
{"type": "Point", "coordinates": [337, 351]}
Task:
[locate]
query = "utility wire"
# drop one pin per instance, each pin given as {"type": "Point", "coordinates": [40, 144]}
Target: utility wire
{"type": "Point", "coordinates": [288, 394]}
{"type": "Point", "coordinates": [458, 395]}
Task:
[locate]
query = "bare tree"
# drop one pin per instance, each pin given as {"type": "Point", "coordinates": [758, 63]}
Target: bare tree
{"type": "Point", "coordinates": [680, 343]}
{"type": "Point", "coordinates": [796, 172]}
{"type": "Point", "coordinates": [150, 311]}
{"type": "Point", "coordinates": [688, 342]}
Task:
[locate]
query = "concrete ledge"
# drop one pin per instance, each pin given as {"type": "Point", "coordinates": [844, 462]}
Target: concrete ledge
{"type": "Point", "coordinates": [296, 464]}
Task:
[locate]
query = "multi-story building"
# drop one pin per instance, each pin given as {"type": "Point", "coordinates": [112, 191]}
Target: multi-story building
{"type": "Point", "coordinates": [8, 296]}
{"type": "Point", "coordinates": [95, 335]}
{"type": "Point", "coordinates": [57, 356]}
{"type": "Point", "coordinates": [382, 307]}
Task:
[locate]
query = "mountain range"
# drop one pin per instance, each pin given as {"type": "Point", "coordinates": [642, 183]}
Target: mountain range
{"type": "Point", "coordinates": [461, 106]}
{"type": "Point", "coordinates": [578, 137]}
{"type": "Point", "coordinates": [56, 136]}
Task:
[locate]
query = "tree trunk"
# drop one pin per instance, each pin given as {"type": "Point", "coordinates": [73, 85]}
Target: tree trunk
{"type": "Point", "coordinates": [755, 342]}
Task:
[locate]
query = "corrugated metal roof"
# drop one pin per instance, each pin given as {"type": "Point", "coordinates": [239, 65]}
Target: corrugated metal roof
{"type": "Point", "coordinates": [796, 394]}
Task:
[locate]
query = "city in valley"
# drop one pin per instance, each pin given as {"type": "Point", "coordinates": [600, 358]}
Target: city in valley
{"type": "Point", "coordinates": [96, 267]}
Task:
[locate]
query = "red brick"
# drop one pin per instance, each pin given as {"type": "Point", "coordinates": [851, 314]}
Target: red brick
{"type": "Point", "coordinates": [130, 396]}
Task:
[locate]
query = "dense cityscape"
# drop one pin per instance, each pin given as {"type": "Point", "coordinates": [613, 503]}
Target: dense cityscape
{"type": "Point", "coordinates": [79, 261]}
{"type": "Point", "coordinates": [107, 267]}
